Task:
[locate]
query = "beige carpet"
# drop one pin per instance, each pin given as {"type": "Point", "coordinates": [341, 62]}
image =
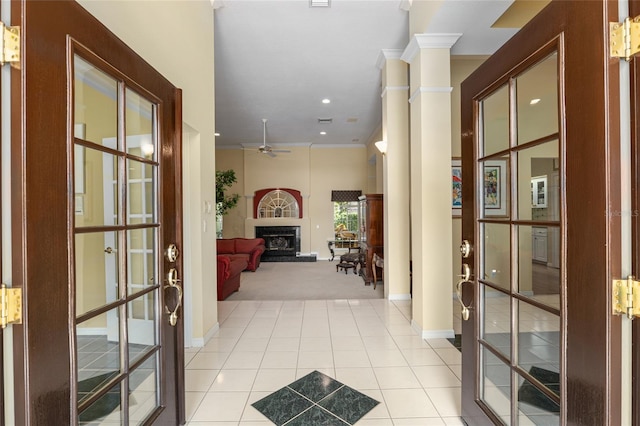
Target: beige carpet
{"type": "Point", "coordinates": [303, 281]}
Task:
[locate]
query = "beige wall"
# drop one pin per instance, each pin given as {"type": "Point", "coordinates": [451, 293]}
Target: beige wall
{"type": "Point", "coordinates": [155, 30]}
{"type": "Point", "coordinates": [313, 170]}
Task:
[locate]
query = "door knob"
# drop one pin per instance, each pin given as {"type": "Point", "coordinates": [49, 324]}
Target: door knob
{"type": "Point", "coordinates": [172, 253]}
{"type": "Point", "coordinates": [465, 248]}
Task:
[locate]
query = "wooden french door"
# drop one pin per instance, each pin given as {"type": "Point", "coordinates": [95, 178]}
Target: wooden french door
{"type": "Point", "coordinates": [541, 159]}
{"type": "Point", "coordinates": [102, 333]}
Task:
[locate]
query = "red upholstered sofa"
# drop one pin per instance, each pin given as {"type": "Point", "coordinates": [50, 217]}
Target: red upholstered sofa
{"type": "Point", "coordinates": [250, 249]}
{"type": "Point", "coordinates": [229, 271]}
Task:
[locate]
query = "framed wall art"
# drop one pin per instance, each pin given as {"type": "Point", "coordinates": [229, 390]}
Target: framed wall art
{"type": "Point", "coordinates": [456, 187]}
{"type": "Point", "coordinates": [494, 188]}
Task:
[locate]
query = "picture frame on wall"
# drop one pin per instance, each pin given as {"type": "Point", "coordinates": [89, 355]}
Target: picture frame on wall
{"type": "Point", "coordinates": [456, 187]}
{"type": "Point", "coordinates": [494, 188]}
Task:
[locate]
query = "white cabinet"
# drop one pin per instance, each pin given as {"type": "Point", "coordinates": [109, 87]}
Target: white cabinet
{"type": "Point", "coordinates": [539, 192]}
{"type": "Point", "coordinates": [540, 244]}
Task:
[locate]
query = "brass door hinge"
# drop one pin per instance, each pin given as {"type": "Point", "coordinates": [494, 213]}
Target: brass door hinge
{"type": "Point", "coordinates": [626, 297]}
{"type": "Point", "coordinates": [10, 306]}
{"type": "Point", "coordinates": [624, 38]}
{"type": "Point", "coordinates": [10, 52]}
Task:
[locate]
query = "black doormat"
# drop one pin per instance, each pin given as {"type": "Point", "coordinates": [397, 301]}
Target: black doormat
{"type": "Point", "coordinates": [530, 394]}
{"type": "Point", "coordinates": [456, 341]}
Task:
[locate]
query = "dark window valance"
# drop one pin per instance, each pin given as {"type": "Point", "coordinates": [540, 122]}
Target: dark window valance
{"type": "Point", "coordinates": [345, 196]}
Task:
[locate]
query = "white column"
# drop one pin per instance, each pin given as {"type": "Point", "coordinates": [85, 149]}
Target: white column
{"type": "Point", "coordinates": [395, 131]}
{"type": "Point", "coordinates": [431, 223]}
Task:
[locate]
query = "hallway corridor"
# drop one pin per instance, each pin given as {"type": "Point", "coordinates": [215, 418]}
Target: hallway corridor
{"type": "Point", "coordinates": [367, 345]}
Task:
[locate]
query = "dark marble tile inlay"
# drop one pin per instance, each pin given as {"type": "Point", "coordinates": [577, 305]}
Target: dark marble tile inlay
{"type": "Point", "coordinates": [348, 404]}
{"type": "Point", "coordinates": [315, 399]}
{"type": "Point", "coordinates": [282, 405]}
{"type": "Point", "coordinates": [318, 417]}
{"type": "Point", "coordinates": [315, 386]}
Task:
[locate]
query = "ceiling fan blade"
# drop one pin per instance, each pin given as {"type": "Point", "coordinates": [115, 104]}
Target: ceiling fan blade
{"type": "Point", "coordinates": [270, 154]}
{"type": "Point", "coordinates": [280, 150]}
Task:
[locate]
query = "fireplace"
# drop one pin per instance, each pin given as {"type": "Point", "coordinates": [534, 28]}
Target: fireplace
{"type": "Point", "coordinates": [282, 243]}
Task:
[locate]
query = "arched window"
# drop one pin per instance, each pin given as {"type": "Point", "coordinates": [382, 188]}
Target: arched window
{"type": "Point", "coordinates": [278, 203]}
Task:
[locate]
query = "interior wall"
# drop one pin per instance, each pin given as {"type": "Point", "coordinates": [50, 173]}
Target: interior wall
{"type": "Point", "coordinates": [312, 170]}
{"type": "Point", "coordinates": [142, 25]}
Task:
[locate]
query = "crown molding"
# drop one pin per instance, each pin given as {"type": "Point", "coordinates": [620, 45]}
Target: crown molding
{"type": "Point", "coordinates": [387, 54]}
{"type": "Point", "coordinates": [428, 41]}
{"type": "Point", "coordinates": [423, 89]}
{"type": "Point", "coordinates": [333, 146]}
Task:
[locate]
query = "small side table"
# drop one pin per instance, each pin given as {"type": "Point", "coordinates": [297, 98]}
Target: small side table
{"type": "Point", "coordinates": [345, 266]}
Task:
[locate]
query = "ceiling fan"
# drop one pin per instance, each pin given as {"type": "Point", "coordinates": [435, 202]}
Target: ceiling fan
{"type": "Point", "coordinates": [264, 148]}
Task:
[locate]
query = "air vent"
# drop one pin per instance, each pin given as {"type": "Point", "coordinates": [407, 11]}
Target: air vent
{"type": "Point", "coordinates": [319, 3]}
{"type": "Point", "coordinates": [325, 120]}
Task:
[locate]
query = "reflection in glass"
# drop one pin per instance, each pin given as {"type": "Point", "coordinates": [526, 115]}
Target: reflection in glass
{"type": "Point", "coordinates": [142, 325]}
{"type": "Point", "coordinates": [141, 198]}
{"type": "Point", "coordinates": [539, 264]}
{"type": "Point", "coordinates": [537, 98]}
{"type": "Point", "coordinates": [538, 339]}
{"type": "Point", "coordinates": [539, 182]}
{"type": "Point", "coordinates": [495, 187]}
{"type": "Point", "coordinates": [144, 396]}
{"type": "Point", "coordinates": [534, 407]}
{"type": "Point", "coordinates": [95, 102]}
{"type": "Point", "coordinates": [106, 410]}
{"type": "Point", "coordinates": [96, 264]}
{"type": "Point", "coordinates": [140, 115]}
{"type": "Point", "coordinates": [496, 326]}
{"type": "Point", "coordinates": [98, 353]}
{"type": "Point", "coordinates": [496, 250]}
{"type": "Point", "coordinates": [95, 186]}
{"type": "Point", "coordinates": [496, 385]}
{"type": "Point", "coordinates": [141, 255]}
{"type": "Point", "coordinates": [495, 122]}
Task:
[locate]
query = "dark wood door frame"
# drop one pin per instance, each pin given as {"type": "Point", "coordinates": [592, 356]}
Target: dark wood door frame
{"type": "Point", "coordinates": [634, 10]}
{"type": "Point", "coordinates": [591, 391]}
{"type": "Point", "coordinates": [41, 237]}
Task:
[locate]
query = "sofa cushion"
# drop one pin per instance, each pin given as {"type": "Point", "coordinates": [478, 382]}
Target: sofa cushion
{"type": "Point", "coordinates": [226, 246]}
{"type": "Point", "coordinates": [245, 245]}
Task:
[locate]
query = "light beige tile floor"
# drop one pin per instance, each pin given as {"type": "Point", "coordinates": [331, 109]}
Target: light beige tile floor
{"type": "Point", "coordinates": [365, 344]}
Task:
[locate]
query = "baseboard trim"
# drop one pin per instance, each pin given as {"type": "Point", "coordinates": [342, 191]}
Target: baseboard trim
{"type": "Point", "coordinates": [400, 296]}
{"type": "Point", "coordinates": [431, 334]}
{"type": "Point", "coordinates": [200, 342]}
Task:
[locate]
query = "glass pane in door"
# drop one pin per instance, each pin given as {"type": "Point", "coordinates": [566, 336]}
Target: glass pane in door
{"type": "Point", "coordinates": [537, 100]}
{"type": "Point", "coordinates": [117, 256]}
{"type": "Point", "coordinates": [495, 121]}
{"type": "Point", "coordinates": [520, 274]}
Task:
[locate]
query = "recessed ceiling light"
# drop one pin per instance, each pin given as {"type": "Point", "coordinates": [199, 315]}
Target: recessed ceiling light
{"type": "Point", "coordinates": [534, 101]}
{"type": "Point", "coordinates": [323, 133]}
{"type": "Point", "coordinates": [326, 101]}
{"type": "Point", "coordinates": [319, 3]}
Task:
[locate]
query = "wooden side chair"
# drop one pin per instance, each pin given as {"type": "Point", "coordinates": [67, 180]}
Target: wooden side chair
{"type": "Point", "coordinates": [376, 262]}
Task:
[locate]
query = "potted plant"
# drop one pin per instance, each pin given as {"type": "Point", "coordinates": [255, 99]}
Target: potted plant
{"type": "Point", "coordinates": [224, 202]}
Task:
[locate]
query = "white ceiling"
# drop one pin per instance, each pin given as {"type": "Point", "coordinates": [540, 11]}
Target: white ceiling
{"type": "Point", "coordinates": [278, 60]}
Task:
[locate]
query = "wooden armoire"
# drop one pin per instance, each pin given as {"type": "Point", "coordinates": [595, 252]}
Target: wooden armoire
{"type": "Point", "coordinates": [371, 231]}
